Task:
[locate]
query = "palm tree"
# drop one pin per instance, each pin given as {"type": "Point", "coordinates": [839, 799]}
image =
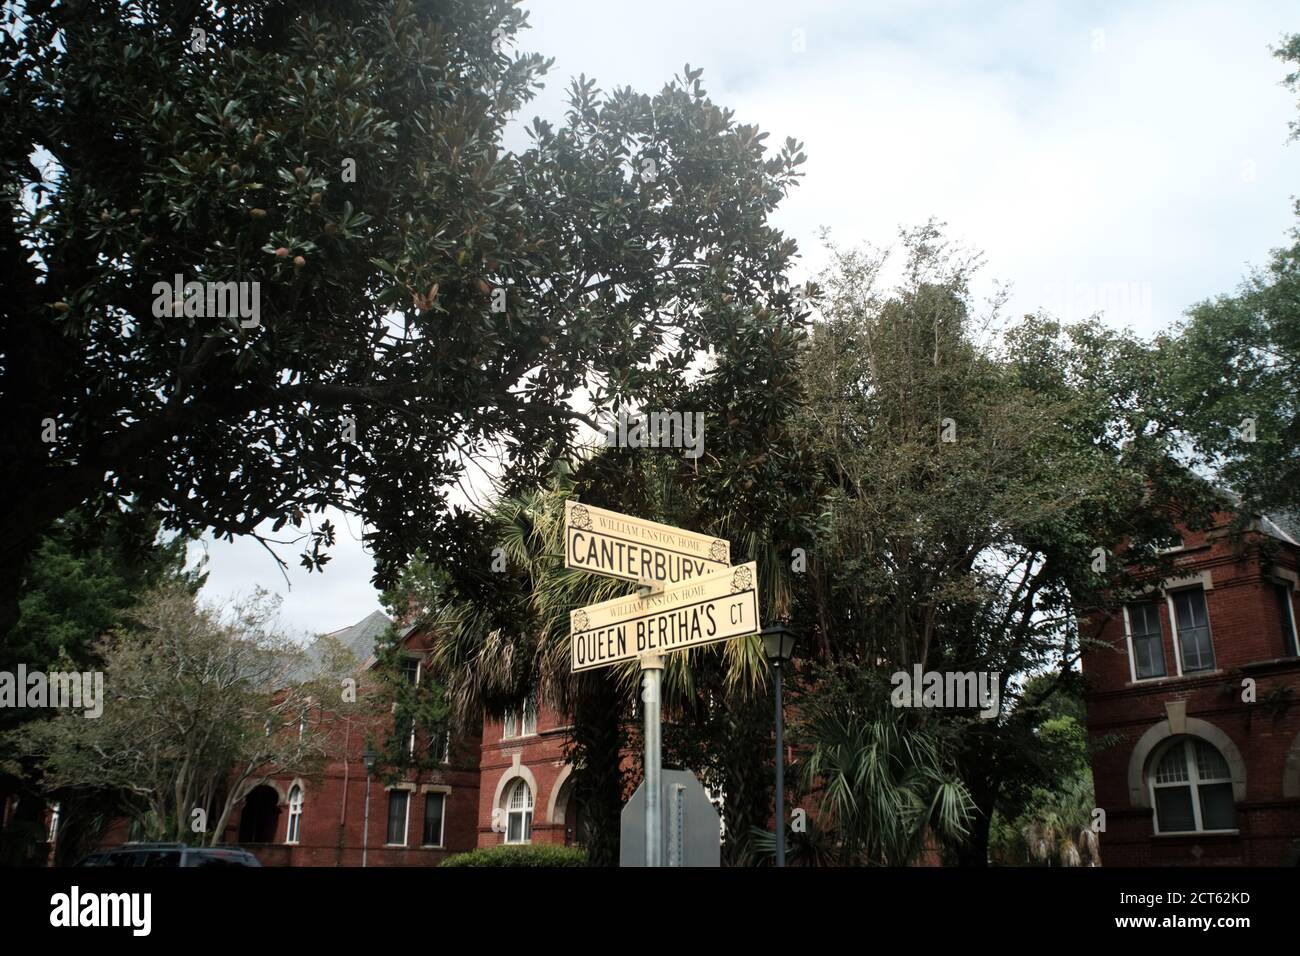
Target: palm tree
{"type": "Point", "coordinates": [886, 780]}
{"type": "Point", "coordinates": [1060, 828]}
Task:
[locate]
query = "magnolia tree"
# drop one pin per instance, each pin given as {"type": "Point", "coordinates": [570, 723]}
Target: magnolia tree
{"type": "Point", "coordinates": [261, 259]}
{"type": "Point", "coordinates": [199, 709]}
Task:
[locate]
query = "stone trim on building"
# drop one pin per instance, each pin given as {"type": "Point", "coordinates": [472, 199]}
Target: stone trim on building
{"type": "Point", "coordinates": [1139, 795]}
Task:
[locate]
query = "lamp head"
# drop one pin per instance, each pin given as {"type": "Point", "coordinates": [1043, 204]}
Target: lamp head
{"type": "Point", "coordinates": [778, 643]}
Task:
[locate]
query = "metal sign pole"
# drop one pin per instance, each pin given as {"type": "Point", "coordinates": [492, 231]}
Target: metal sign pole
{"type": "Point", "coordinates": [780, 774]}
{"type": "Point", "coordinates": [652, 670]}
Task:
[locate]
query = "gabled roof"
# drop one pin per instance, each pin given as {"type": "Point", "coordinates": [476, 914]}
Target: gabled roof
{"type": "Point", "coordinates": [360, 639]}
{"type": "Point", "coordinates": [1284, 527]}
{"type": "Point", "coordinates": [1280, 525]}
{"type": "Point", "coordinates": [362, 636]}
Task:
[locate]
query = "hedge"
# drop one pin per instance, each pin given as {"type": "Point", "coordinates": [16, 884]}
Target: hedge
{"type": "Point", "coordinates": [541, 854]}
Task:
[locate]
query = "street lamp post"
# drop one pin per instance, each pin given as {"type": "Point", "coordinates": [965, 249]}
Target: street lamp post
{"type": "Point", "coordinates": [368, 758]}
{"type": "Point", "coordinates": [778, 645]}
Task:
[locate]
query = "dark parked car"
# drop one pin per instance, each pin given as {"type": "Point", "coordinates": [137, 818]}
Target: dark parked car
{"type": "Point", "coordinates": [170, 854]}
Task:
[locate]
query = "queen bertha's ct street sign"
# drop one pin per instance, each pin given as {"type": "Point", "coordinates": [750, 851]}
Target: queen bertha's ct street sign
{"type": "Point", "coordinates": [714, 608]}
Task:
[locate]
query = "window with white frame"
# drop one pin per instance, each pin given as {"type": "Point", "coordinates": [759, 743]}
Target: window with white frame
{"type": "Point", "coordinates": [295, 815]}
{"type": "Point", "coordinates": [399, 805]}
{"type": "Point", "coordinates": [521, 722]}
{"type": "Point", "coordinates": [435, 806]}
{"type": "Point", "coordinates": [529, 721]}
{"type": "Point", "coordinates": [1191, 620]}
{"type": "Point", "coordinates": [1286, 615]}
{"type": "Point", "coordinates": [412, 671]}
{"type": "Point", "coordinates": [518, 804]}
{"type": "Point", "coordinates": [1191, 788]}
{"type": "Point", "coordinates": [440, 747]}
{"type": "Point", "coordinates": [1146, 640]}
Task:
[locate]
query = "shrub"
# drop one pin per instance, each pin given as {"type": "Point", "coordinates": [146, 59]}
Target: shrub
{"type": "Point", "coordinates": [541, 854]}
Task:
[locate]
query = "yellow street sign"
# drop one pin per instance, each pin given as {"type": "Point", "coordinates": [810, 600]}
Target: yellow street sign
{"type": "Point", "coordinates": [714, 608]}
{"type": "Point", "coordinates": [606, 542]}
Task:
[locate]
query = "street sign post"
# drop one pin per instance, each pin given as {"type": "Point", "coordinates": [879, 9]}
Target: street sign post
{"type": "Point", "coordinates": [690, 596]}
{"type": "Point", "coordinates": [714, 608]}
{"type": "Point", "coordinates": [633, 549]}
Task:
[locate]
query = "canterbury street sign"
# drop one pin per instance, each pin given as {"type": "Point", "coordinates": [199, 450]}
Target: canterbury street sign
{"type": "Point", "coordinates": [606, 542]}
{"type": "Point", "coordinates": [714, 608]}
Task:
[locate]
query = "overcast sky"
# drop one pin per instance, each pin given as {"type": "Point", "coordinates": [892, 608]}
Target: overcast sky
{"type": "Point", "coordinates": [1130, 159]}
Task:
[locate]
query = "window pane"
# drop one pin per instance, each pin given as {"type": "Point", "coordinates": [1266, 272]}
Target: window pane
{"type": "Point", "coordinates": [1218, 812]}
{"type": "Point", "coordinates": [433, 806]}
{"type": "Point", "coordinates": [1173, 765]}
{"type": "Point", "coordinates": [1150, 654]}
{"type": "Point", "coordinates": [295, 814]}
{"type": "Point", "coordinates": [514, 832]}
{"type": "Point", "coordinates": [1144, 617]}
{"type": "Point", "coordinates": [521, 796]}
{"type": "Point", "coordinates": [397, 816]}
{"type": "Point", "coordinates": [530, 717]}
{"type": "Point", "coordinates": [1193, 631]}
{"type": "Point", "coordinates": [1190, 606]}
{"type": "Point", "coordinates": [1174, 809]}
{"type": "Point", "coordinates": [1287, 617]}
{"type": "Point", "coordinates": [1148, 642]}
{"type": "Point", "coordinates": [1210, 764]}
{"type": "Point", "coordinates": [411, 669]}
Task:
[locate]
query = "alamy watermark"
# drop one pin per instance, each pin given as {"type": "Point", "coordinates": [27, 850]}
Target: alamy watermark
{"type": "Point", "coordinates": [1073, 300]}
{"type": "Point", "coordinates": [76, 909]}
{"type": "Point", "coordinates": [59, 689]}
{"type": "Point", "coordinates": [948, 689]}
{"type": "Point", "coordinates": [196, 299]}
{"type": "Point", "coordinates": [657, 430]}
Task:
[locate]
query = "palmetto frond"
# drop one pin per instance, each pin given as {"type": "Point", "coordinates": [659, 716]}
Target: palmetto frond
{"type": "Point", "coordinates": [884, 785]}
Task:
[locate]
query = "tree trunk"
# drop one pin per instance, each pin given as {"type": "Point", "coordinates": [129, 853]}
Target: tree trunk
{"type": "Point", "coordinates": [750, 776]}
{"type": "Point", "coordinates": [597, 753]}
{"type": "Point", "coordinates": [975, 851]}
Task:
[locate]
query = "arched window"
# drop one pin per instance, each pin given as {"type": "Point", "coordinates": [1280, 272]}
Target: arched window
{"type": "Point", "coordinates": [519, 812]}
{"type": "Point", "coordinates": [295, 814]}
{"type": "Point", "coordinates": [1191, 788]}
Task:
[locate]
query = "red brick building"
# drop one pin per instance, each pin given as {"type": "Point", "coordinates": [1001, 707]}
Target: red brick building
{"type": "Point", "coordinates": [1194, 704]}
{"type": "Point", "coordinates": [321, 821]}
{"type": "Point", "coordinates": [508, 784]}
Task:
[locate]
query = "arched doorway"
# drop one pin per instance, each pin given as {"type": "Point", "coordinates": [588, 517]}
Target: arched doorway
{"type": "Point", "coordinates": [568, 811]}
{"type": "Point", "coordinates": [259, 821]}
